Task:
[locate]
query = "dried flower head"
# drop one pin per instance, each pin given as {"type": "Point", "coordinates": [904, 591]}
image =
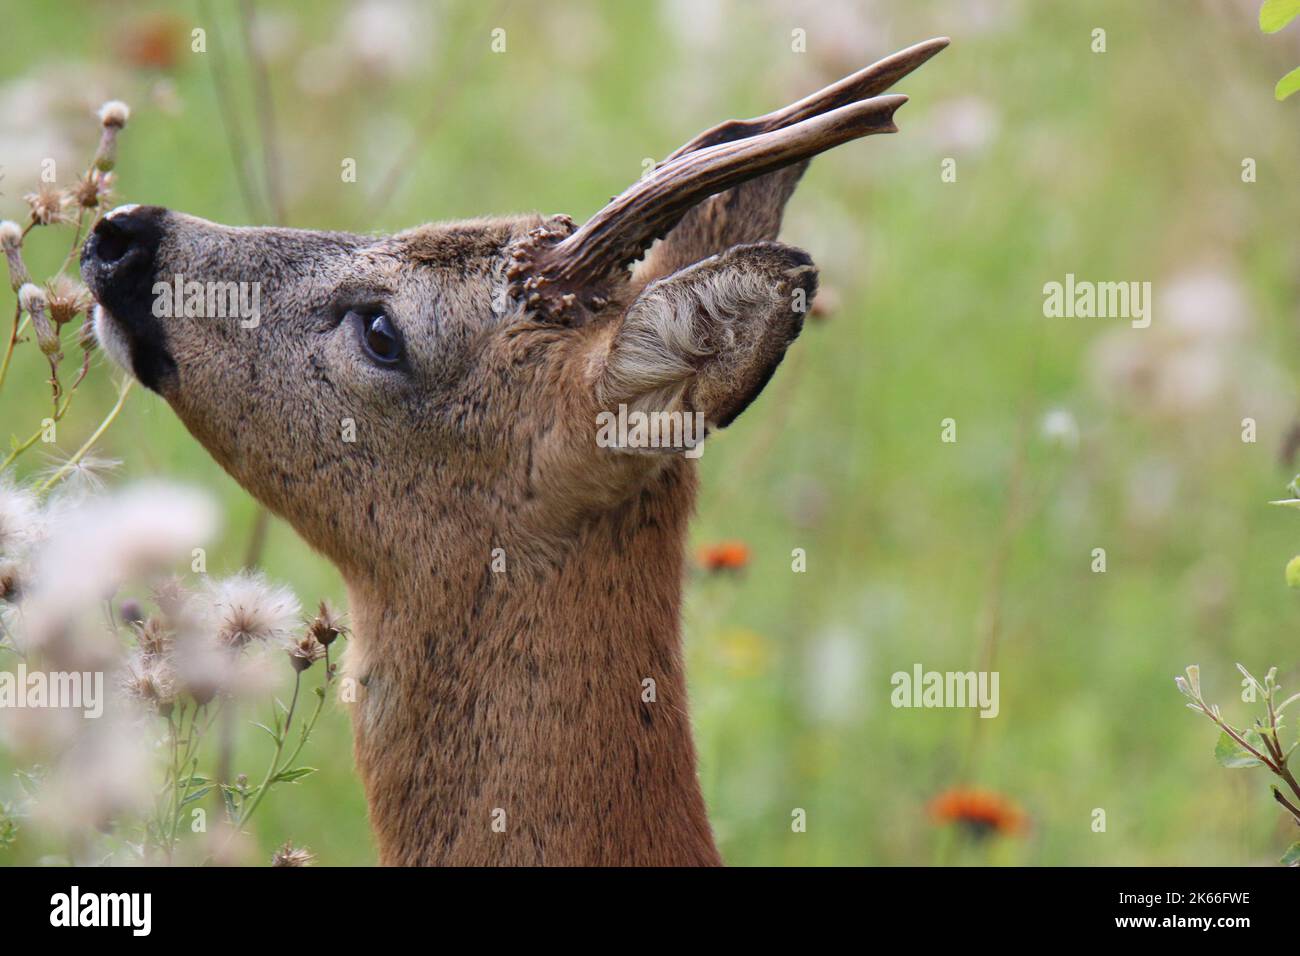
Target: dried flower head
{"type": "Point", "coordinates": [151, 680]}
{"type": "Point", "coordinates": [305, 651]}
{"type": "Point", "coordinates": [327, 626]}
{"type": "Point", "coordinates": [153, 639]}
{"type": "Point", "coordinates": [48, 205]}
{"type": "Point", "coordinates": [67, 299]}
{"type": "Point", "coordinates": [247, 609]}
{"type": "Point", "coordinates": [289, 855]}
{"type": "Point", "coordinates": [93, 189]}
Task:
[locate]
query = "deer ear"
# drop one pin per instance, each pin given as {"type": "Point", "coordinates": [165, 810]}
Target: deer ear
{"type": "Point", "coordinates": [707, 338]}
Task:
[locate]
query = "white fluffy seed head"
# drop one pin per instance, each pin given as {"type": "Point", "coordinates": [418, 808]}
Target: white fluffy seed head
{"type": "Point", "coordinates": [248, 609]}
{"type": "Point", "coordinates": [114, 113]}
{"type": "Point", "coordinates": [11, 234]}
{"type": "Point", "coordinates": [93, 544]}
{"type": "Point", "coordinates": [32, 298]}
{"type": "Point", "coordinates": [20, 518]}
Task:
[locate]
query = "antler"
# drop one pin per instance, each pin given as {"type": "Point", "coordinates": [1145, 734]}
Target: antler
{"type": "Point", "coordinates": [559, 271]}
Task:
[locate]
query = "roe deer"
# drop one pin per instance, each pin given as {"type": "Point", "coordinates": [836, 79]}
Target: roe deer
{"type": "Point", "coordinates": [423, 409]}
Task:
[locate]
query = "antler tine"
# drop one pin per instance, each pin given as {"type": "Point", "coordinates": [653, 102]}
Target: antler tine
{"type": "Point", "coordinates": [560, 272]}
{"type": "Point", "coordinates": [555, 268]}
{"type": "Point", "coordinates": [867, 82]}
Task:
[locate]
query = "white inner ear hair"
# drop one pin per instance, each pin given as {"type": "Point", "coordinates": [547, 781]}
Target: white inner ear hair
{"type": "Point", "coordinates": [673, 328]}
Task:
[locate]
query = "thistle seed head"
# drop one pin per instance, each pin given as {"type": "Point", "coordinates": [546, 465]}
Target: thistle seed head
{"type": "Point", "coordinates": [93, 189]}
{"type": "Point", "coordinates": [67, 299]}
{"type": "Point", "coordinates": [289, 855]}
{"type": "Point", "coordinates": [48, 205]}
{"type": "Point", "coordinates": [114, 114]}
{"type": "Point", "coordinates": [250, 610]}
{"type": "Point", "coordinates": [305, 651]}
{"type": "Point", "coordinates": [327, 626]}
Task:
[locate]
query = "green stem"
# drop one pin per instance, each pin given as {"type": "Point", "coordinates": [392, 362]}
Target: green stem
{"type": "Point", "coordinates": [306, 734]}
{"type": "Point", "coordinates": [71, 463]}
{"type": "Point", "coordinates": [271, 771]}
{"type": "Point", "coordinates": [1291, 807]}
{"type": "Point", "coordinates": [9, 349]}
{"type": "Point", "coordinates": [36, 435]}
{"type": "Point", "coordinates": [1241, 741]}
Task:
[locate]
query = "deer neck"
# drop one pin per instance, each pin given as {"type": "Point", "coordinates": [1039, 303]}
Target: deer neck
{"type": "Point", "coordinates": [532, 710]}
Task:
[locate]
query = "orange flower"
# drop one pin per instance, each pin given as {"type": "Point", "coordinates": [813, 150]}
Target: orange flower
{"type": "Point", "coordinates": [725, 556]}
{"type": "Point", "coordinates": [981, 812]}
{"type": "Point", "coordinates": [153, 42]}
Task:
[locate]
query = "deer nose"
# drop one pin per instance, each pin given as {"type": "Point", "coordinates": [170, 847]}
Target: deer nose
{"type": "Point", "coordinates": [129, 235]}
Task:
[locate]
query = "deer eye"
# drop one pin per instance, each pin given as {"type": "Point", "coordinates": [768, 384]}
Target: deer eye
{"type": "Point", "coordinates": [379, 337]}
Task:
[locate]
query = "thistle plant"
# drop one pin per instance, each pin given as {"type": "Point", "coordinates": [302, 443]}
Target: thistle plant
{"type": "Point", "coordinates": [87, 591]}
{"type": "Point", "coordinates": [43, 309]}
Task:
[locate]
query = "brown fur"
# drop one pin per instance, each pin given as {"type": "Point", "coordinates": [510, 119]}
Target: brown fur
{"type": "Point", "coordinates": [479, 691]}
{"type": "Point", "coordinates": [485, 690]}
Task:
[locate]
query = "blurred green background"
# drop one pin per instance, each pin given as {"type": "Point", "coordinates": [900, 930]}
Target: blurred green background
{"type": "Point", "coordinates": [1073, 434]}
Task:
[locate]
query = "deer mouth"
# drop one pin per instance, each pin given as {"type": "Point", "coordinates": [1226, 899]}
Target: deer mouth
{"type": "Point", "coordinates": [118, 264]}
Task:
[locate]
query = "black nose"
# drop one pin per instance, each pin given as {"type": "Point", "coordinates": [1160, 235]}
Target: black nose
{"type": "Point", "coordinates": [126, 237]}
{"type": "Point", "coordinates": [119, 262]}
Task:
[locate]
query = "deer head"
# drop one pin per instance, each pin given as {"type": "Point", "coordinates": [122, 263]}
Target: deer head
{"type": "Point", "coordinates": [411, 402]}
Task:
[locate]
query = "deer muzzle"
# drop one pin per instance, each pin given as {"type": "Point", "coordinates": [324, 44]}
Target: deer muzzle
{"type": "Point", "coordinates": [119, 265]}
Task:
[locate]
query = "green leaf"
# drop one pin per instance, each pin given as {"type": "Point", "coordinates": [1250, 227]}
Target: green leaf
{"type": "Point", "coordinates": [30, 782]}
{"type": "Point", "coordinates": [274, 734]}
{"type": "Point", "coordinates": [289, 776]}
{"type": "Point", "coordinates": [1285, 87]}
{"type": "Point", "coordinates": [1292, 856]}
{"type": "Point", "coordinates": [228, 798]}
{"type": "Point", "coordinates": [196, 795]}
{"type": "Point", "coordinates": [1230, 754]}
{"type": "Point", "coordinates": [1275, 14]}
